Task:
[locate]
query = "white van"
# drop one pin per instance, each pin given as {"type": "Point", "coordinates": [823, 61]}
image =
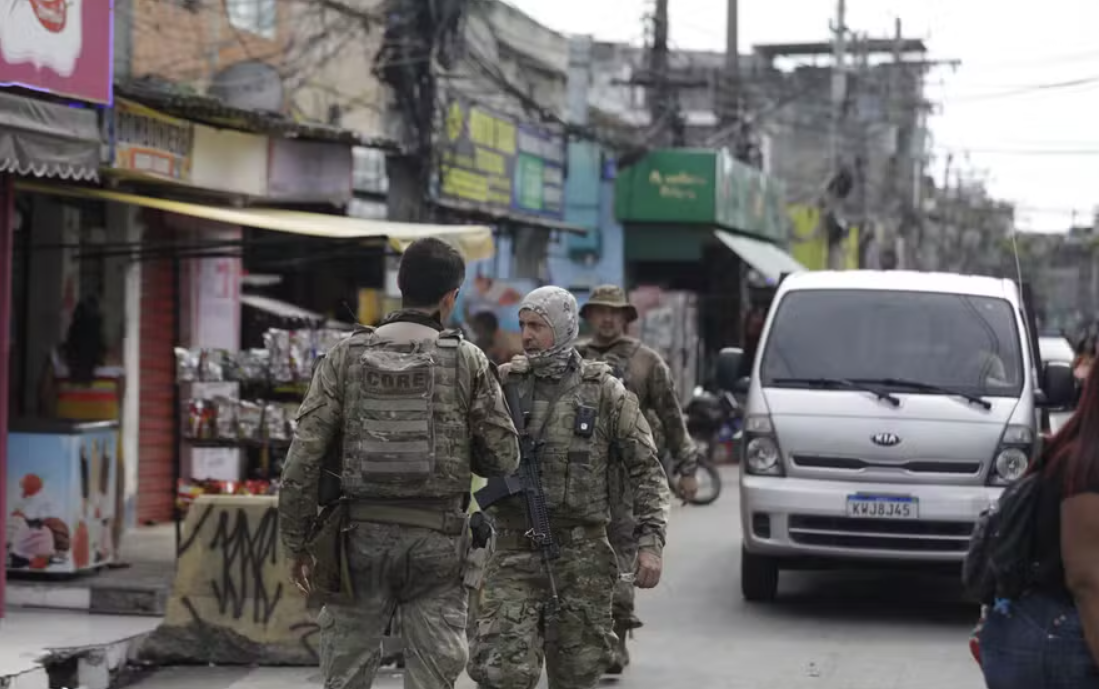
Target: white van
{"type": "Point", "coordinates": [884, 412]}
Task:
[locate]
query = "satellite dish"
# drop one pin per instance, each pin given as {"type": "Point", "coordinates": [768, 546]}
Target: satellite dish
{"type": "Point", "coordinates": [249, 85]}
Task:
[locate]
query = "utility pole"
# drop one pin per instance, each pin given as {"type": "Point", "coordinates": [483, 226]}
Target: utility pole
{"type": "Point", "coordinates": [864, 172]}
{"type": "Point", "coordinates": [901, 181]}
{"type": "Point", "coordinates": [839, 96]}
{"type": "Point", "coordinates": [729, 95]}
{"type": "Point", "coordinates": [839, 80]}
{"type": "Point", "coordinates": [663, 110]}
{"type": "Point", "coordinates": [661, 89]}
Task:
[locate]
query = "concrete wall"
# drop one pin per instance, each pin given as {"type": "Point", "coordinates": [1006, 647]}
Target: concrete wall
{"type": "Point", "coordinates": [530, 56]}
{"type": "Point", "coordinates": [339, 80]}
{"type": "Point", "coordinates": [231, 601]}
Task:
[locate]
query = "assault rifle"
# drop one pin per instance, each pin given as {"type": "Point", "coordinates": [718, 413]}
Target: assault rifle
{"type": "Point", "coordinates": [528, 483]}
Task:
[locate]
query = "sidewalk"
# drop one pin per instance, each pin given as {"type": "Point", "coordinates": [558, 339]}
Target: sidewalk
{"type": "Point", "coordinates": [40, 649]}
{"type": "Point", "coordinates": [142, 588]}
{"type": "Point", "coordinates": [263, 678]}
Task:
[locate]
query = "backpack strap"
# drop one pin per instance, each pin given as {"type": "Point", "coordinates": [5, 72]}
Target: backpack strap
{"type": "Point", "coordinates": [450, 338]}
{"type": "Point", "coordinates": [595, 370]}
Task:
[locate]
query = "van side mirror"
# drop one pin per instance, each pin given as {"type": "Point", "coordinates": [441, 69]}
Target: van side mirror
{"type": "Point", "coordinates": [1058, 385]}
{"type": "Point", "coordinates": [728, 367]}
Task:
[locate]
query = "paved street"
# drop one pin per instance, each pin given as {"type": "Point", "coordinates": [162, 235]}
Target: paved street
{"type": "Point", "coordinates": [829, 631]}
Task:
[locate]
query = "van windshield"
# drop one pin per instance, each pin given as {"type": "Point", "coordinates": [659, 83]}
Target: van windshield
{"type": "Point", "coordinates": [965, 343]}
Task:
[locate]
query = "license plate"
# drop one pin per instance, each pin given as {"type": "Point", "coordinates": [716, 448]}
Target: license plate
{"type": "Point", "coordinates": [883, 507]}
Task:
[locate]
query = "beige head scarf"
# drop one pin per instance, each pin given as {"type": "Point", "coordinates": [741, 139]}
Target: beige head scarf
{"type": "Point", "coordinates": [558, 307]}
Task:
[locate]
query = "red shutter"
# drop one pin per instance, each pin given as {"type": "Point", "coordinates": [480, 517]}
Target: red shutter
{"type": "Point", "coordinates": [156, 439]}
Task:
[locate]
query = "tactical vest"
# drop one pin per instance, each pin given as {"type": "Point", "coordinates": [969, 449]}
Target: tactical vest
{"type": "Point", "coordinates": [574, 468]}
{"type": "Point", "coordinates": [619, 362]}
{"type": "Point", "coordinates": [405, 430]}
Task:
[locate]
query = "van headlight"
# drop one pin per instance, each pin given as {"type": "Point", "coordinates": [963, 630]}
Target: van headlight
{"type": "Point", "coordinates": [761, 452]}
{"type": "Point", "coordinates": [1011, 464]}
{"type": "Point", "coordinates": [1012, 456]}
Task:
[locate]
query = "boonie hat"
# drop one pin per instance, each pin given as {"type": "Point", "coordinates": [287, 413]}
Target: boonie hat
{"type": "Point", "coordinates": [611, 296]}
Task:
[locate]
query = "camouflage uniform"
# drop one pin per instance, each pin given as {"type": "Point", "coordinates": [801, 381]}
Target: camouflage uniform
{"type": "Point", "coordinates": [645, 374]}
{"type": "Point", "coordinates": [417, 410]}
{"type": "Point", "coordinates": [510, 646]}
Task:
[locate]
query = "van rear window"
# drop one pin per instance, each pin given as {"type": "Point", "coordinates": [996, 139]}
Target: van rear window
{"type": "Point", "coordinates": [968, 343]}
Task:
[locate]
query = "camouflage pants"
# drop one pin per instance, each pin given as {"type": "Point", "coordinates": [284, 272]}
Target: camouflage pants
{"type": "Point", "coordinates": [624, 541]}
{"type": "Point", "coordinates": [409, 570]}
{"type": "Point", "coordinates": [510, 645]}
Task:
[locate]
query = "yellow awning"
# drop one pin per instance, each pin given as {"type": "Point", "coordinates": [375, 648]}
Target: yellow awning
{"type": "Point", "coordinates": [474, 241]}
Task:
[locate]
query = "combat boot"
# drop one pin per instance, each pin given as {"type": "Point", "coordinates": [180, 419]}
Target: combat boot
{"type": "Point", "coordinates": [621, 654]}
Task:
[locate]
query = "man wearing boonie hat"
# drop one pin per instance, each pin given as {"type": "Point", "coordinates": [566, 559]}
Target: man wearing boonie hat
{"type": "Point", "coordinates": [646, 375]}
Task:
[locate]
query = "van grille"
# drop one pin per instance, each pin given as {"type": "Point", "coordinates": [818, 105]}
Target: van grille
{"type": "Point", "coordinates": [880, 534]}
{"type": "Point", "coordinates": [916, 466]}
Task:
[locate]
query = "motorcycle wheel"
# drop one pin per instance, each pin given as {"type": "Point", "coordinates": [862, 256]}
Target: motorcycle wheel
{"type": "Point", "coordinates": [707, 473]}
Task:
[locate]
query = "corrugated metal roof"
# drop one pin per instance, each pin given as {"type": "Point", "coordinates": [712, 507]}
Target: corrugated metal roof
{"type": "Point", "coordinates": [214, 112]}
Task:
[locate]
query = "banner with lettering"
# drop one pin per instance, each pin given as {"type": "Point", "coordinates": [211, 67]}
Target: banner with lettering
{"type": "Point", "coordinates": [491, 160]}
{"type": "Point", "coordinates": [148, 143]}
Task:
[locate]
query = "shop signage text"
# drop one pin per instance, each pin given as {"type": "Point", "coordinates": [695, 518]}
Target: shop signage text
{"type": "Point", "coordinates": [680, 185]}
{"type": "Point", "coordinates": [149, 143]}
{"type": "Point", "coordinates": [59, 46]}
{"type": "Point", "coordinates": [492, 161]}
{"type": "Point", "coordinates": [696, 187]}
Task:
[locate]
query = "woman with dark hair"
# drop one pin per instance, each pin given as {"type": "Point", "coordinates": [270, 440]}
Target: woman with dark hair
{"type": "Point", "coordinates": [1049, 637]}
{"type": "Point", "coordinates": [84, 349]}
{"type": "Point", "coordinates": [77, 364]}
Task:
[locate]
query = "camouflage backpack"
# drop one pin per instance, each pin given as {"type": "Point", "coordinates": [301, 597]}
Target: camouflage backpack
{"type": "Point", "coordinates": [390, 423]}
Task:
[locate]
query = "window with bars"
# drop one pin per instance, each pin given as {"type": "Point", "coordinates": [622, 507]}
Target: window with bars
{"type": "Point", "coordinates": [259, 17]}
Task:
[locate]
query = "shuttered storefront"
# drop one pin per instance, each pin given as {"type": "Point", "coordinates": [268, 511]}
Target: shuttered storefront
{"type": "Point", "coordinates": [156, 438]}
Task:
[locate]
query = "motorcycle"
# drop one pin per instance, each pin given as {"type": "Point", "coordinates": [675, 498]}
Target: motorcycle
{"type": "Point", "coordinates": [713, 422]}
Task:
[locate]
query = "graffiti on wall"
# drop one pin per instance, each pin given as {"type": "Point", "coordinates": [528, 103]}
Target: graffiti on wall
{"type": "Point", "coordinates": [231, 602]}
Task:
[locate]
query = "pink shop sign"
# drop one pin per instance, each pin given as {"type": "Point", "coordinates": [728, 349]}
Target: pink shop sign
{"type": "Point", "coordinates": [63, 47]}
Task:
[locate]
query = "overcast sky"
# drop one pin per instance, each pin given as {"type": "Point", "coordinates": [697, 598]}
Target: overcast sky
{"type": "Point", "coordinates": [1011, 112]}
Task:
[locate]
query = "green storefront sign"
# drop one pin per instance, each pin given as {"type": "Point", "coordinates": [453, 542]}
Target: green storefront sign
{"type": "Point", "coordinates": [701, 187]}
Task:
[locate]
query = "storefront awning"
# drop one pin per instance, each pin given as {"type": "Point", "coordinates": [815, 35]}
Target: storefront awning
{"type": "Point", "coordinates": [43, 139]}
{"type": "Point", "coordinates": [766, 259]}
{"type": "Point", "coordinates": [474, 241]}
{"type": "Point", "coordinates": [279, 308]}
{"type": "Point", "coordinates": [288, 311]}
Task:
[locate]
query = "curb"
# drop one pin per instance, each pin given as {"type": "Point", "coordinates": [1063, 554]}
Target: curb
{"type": "Point", "coordinates": [93, 667]}
{"type": "Point", "coordinates": [35, 678]}
{"type": "Point", "coordinates": [100, 600]}
{"type": "Point", "coordinates": [101, 666]}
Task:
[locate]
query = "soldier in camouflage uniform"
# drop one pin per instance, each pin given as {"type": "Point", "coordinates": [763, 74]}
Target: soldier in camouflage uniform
{"type": "Point", "coordinates": [576, 460]}
{"type": "Point", "coordinates": [646, 375]}
{"type": "Point", "coordinates": [417, 409]}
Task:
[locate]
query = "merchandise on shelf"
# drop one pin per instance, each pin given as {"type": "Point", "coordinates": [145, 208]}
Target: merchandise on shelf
{"type": "Point", "coordinates": [288, 358]}
{"type": "Point", "coordinates": [229, 420]}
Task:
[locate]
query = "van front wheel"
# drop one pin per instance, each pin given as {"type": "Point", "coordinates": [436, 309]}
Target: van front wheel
{"type": "Point", "coordinates": [758, 577]}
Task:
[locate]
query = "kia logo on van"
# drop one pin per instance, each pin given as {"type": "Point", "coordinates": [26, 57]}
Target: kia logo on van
{"type": "Point", "coordinates": [885, 439]}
